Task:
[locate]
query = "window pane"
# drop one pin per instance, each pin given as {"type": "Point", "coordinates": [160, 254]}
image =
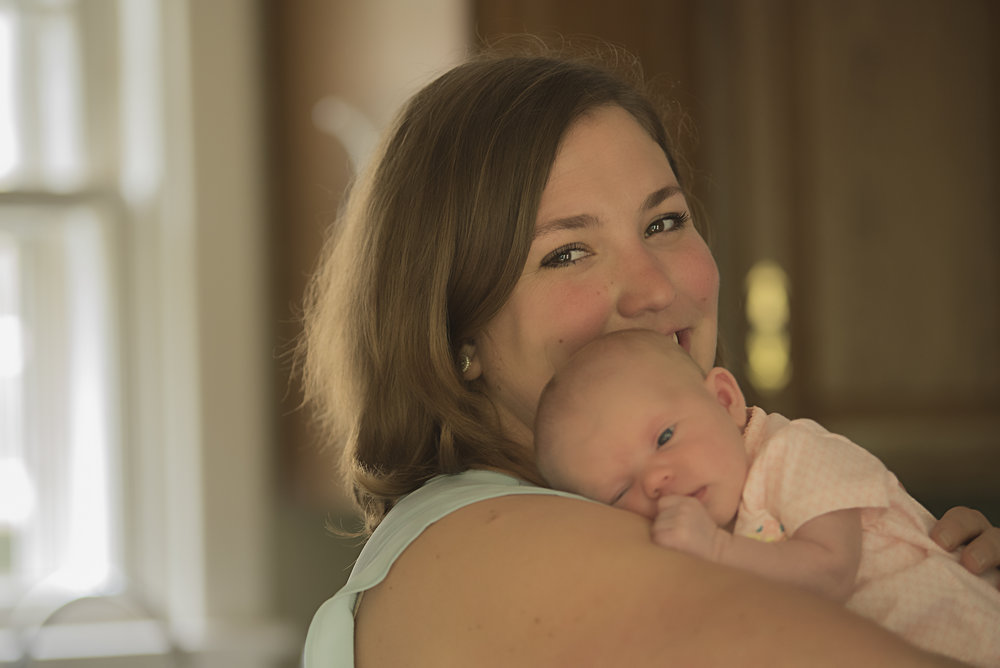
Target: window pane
{"type": "Point", "coordinates": [41, 103]}
{"type": "Point", "coordinates": [10, 149]}
{"type": "Point", "coordinates": [58, 394]}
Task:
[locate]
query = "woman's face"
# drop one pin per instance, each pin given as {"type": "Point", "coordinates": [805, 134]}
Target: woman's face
{"type": "Point", "coordinates": [614, 248]}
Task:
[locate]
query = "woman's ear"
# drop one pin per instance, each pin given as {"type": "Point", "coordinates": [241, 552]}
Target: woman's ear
{"type": "Point", "coordinates": [723, 386]}
{"type": "Point", "coordinates": [469, 367]}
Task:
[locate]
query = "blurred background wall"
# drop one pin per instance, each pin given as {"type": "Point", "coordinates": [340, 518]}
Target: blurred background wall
{"type": "Point", "coordinates": [845, 154]}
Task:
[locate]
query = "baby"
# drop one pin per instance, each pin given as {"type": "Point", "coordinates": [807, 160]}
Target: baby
{"type": "Point", "coordinates": [633, 422]}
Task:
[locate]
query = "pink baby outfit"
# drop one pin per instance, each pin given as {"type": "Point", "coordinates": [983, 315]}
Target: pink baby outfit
{"type": "Point", "coordinates": [905, 582]}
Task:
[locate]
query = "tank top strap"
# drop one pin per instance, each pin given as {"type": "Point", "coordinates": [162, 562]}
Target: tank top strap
{"type": "Point", "coordinates": [330, 641]}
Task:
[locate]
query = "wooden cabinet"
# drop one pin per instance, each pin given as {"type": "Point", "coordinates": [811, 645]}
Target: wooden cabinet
{"type": "Point", "coordinates": [857, 144]}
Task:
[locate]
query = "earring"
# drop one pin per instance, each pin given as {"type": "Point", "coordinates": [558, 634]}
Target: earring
{"type": "Point", "coordinates": [464, 362]}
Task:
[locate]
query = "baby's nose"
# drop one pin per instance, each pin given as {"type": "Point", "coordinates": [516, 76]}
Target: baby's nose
{"type": "Point", "coordinates": [655, 480]}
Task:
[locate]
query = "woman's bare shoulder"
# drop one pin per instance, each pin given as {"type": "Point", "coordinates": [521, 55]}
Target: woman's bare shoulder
{"type": "Point", "coordinates": [543, 580]}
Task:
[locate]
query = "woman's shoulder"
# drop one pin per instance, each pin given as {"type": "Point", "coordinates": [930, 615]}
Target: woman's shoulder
{"type": "Point", "coordinates": [437, 499]}
{"type": "Point", "coordinates": [490, 505]}
{"type": "Point", "coordinates": [446, 493]}
{"type": "Point", "coordinates": [333, 626]}
{"type": "Point", "coordinates": [517, 562]}
{"type": "Point", "coordinates": [459, 502]}
{"type": "Point", "coordinates": [546, 579]}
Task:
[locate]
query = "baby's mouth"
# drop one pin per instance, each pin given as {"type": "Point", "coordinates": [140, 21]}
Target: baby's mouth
{"type": "Point", "coordinates": [683, 339]}
{"type": "Point", "coordinates": [699, 494]}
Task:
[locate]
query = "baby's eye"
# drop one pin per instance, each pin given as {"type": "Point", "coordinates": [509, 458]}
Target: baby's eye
{"type": "Point", "coordinates": [667, 223]}
{"type": "Point", "coordinates": [665, 436]}
{"type": "Point", "coordinates": [564, 256]}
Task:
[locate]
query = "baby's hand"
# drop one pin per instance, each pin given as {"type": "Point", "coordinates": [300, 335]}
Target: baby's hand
{"type": "Point", "coordinates": [682, 523]}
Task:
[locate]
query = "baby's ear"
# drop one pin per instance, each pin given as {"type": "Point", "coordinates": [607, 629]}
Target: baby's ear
{"type": "Point", "coordinates": [727, 392]}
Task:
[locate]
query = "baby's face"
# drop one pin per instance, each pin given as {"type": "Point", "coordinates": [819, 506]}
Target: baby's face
{"type": "Point", "coordinates": [650, 430]}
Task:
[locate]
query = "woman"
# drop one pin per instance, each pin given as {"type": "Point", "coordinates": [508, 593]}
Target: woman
{"type": "Point", "coordinates": [520, 207]}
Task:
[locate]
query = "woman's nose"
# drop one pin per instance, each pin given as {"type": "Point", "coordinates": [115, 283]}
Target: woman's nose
{"type": "Point", "coordinates": [644, 284]}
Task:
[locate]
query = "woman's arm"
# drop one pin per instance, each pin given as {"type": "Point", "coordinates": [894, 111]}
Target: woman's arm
{"type": "Point", "coordinates": [964, 526]}
{"type": "Point", "coordinates": [543, 581]}
{"type": "Point", "coordinates": [823, 555]}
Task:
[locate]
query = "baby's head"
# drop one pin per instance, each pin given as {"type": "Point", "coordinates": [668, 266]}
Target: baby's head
{"type": "Point", "coordinates": [631, 418]}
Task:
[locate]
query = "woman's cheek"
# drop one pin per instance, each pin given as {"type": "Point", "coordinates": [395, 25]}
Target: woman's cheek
{"type": "Point", "coordinates": [706, 288]}
{"type": "Point", "coordinates": [709, 274]}
{"type": "Point", "coordinates": [702, 286]}
{"type": "Point", "coordinates": [579, 314]}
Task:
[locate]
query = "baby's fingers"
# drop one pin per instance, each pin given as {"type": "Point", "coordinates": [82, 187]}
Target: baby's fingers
{"type": "Point", "coordinates": [677, 503]}
{"type": "Point", "coordinates": [958, 526]}
{"type": "Point", "coordinates": [963, 525]}
{"type": "Point", "coordinates": [983, 553]}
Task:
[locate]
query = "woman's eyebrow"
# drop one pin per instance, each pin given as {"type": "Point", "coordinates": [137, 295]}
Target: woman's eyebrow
{"type": "Point", "coordinates": [577, 222]}
{"type": "Point", "coordinates": [658, 197]}
{"type": "Point", "coordinates": [583, 220]}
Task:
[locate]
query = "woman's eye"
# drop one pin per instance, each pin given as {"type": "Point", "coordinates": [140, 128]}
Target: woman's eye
{"type": "Point", "coordinates": [665, 436]}
{"type": "Point", "coordinates": [564, 256]}
{"type": "Point", "coordinates": [671, 221]}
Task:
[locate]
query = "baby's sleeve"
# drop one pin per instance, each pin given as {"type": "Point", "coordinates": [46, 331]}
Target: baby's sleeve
{"type": "Point", "coordinates": [805, 471]}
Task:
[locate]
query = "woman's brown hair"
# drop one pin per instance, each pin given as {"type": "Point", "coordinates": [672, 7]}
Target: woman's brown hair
{"type": "Point", "coordinates": [428, 249]}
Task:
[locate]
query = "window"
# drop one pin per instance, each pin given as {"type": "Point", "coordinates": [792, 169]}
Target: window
{"type": "Point", "coordinates": [59, 396]}
{"type": "Point", "coordinates": [133, 348]}
{"type": "Point", "coordinates": [58, 399]}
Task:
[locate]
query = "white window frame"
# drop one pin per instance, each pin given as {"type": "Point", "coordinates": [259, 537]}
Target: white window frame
{"type": "Point", "coordinates": [187, 155]}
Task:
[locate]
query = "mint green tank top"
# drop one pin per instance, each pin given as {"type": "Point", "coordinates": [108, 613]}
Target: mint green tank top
{"type": "Point", "coordinates": [330, 641]}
